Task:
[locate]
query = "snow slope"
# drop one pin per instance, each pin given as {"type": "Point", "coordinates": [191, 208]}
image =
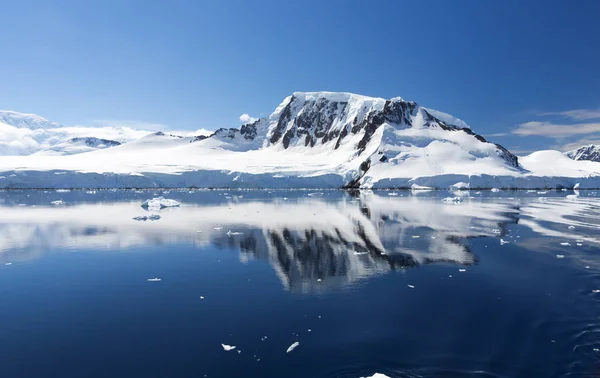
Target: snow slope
{"type": "Point", "coordinates": [311, 140]}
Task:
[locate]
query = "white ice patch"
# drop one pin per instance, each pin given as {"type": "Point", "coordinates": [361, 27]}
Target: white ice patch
{"type": "Point", "coordinates": [159, 203]}
{"type": "Point", "coordinates": [227, 348]}
{"type": "Point", "coordinates": [292, 347]}
{"type": "Point", "coordinates": [58, 203]}
{"type": "Point", "coordinates": [154, 279]}
{"type": "Point", "coordinates": [452, 200]}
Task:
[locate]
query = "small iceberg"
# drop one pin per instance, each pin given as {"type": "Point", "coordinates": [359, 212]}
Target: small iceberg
{"type": "Point", "coordinates": [144, 218]}
{"type": "Point", "coordinates": [58, 203]}
{"type": "Point", "coordinates": [316, 194]}
{"type": "Point", "coordinates": [159, 203]}
{"type": "Point", "coordinates": [452, 200]}
{"type": "Point", "coordinates": [227, 348]}
{"type": "Point", "coordinates": [292, 347]}
{"type": "Point", "coordinates": [154, 279]}
{"type": "Point", "coordinates": [495, 190]}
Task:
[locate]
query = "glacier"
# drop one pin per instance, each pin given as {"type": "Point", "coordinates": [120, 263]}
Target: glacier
{"type": "Point", "coordinates": [313, 140]}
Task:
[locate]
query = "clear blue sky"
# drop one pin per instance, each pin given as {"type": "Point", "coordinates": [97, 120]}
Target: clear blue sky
{"type": "Point", "coordinates": [192, 64]}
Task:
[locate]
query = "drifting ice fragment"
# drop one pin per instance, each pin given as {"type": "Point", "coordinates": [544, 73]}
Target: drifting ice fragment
{"type": "Point", "coordinates": [292, 347]}
{"type": "Point", "coordinates": [58, 203]}
{"type": "Point", "coordinates": [560, 256]}
{"type": "Point", "coordinates": [502, 242]}
{"type": "Point", "coordinates": [571, 227]}
{"type": "Point", "coordinates": [229, 233]}
{"type": "Point", "coordinates": [495, 190]}
{"type": "Point", "coordinates": [377, 375]}
{"type": "Point", "coordinates": [462, 270]}
{"type": "Point", "coordinates": [154, 279]}
{"type": "Point", "coordinates": [411, 286]}
{"type": "Point", "coordinates": [452, 200]}
{"type": "Point", "coordinates": [565, 244]}
{"type": "Point", "coordinates": [227, 348]}
{"type": "Point", "coordinates": [359, 253]}
{"type": "Point", "coordinates": [8, 264]}
{"type": "Point", "coordinates": [595, 291]}
{"type": "Point", "coordinates": [317, 194]}
{"type": "Point", "coordinates": [159, 203]}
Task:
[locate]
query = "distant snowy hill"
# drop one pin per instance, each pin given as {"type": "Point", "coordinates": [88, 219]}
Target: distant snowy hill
{"type": "Point", "coordinates": [591, 153]}
{"type": "Point", "coordinates": [26, 134]}
{"type": "Point", "coordinates": [312, 140]}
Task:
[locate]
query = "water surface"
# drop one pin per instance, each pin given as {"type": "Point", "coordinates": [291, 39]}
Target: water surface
{"type": "Point", "coordinates": [498, 284]}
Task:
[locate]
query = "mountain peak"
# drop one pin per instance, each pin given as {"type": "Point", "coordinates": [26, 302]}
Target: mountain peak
{"type": "Point", "coordinates": [590, 152]}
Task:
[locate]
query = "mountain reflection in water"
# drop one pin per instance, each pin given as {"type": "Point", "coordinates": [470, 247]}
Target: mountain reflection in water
{"type": "Point", "coordinates": [311, 242]}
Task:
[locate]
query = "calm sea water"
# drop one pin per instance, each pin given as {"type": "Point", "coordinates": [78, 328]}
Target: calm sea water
{"type": "Point", "coordinates": [498, 285]}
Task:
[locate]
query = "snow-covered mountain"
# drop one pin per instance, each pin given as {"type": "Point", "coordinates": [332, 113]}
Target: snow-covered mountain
{"type": "Point", "coordinates": [312, 139]}
{"type": "Point", "coordinates": [590, 153]}
{"type": "Point", "coordinates": [27, 134]}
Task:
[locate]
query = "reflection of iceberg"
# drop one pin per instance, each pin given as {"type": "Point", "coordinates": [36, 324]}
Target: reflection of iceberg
{"type": "Point", "coordinates": [311, 243]}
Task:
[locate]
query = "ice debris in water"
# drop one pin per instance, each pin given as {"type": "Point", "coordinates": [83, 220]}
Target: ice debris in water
{"type": "Point", "coordinates": [502, 242]}
{"type": "Point", "coordinates": [228, 347]}
{"type": "Point", "coordinates": [292, 347]}
{"type": "Point", "coordinates": [462, 270]}
{"type": "Point", "coordinates": [316, 194]}
{"type": "Point", "coordinates": [230, 233]}
{"type": "Point", "coordinates": [360, 253]}
{"type": "Point", "coordinates": [571, 227]}
{"type": "Point", "coordinates": [91, 192]}
{"type": "Point", "coordinates": [411, 286]}
{"type": "Point", "coordinates": [154, 280]}
{"type": "Point", "coordinates": [58, 203]}
{"type": "Point", "coordinates": [144, 218]}
{"type": "Point", "coordinates": [579, 244]}
{"type": "Point", "coordinates": [159, 203]}
{"type": "Point", "coordinates": [452, 200]}
{"type": "Point", "coordinates": [416, 236]}
{"type": "Point", "coordinates": [565, 244]}
{"type": "Point", "coordinates": [495, 190]}
{"type": "Point", "coordinates": [595, 291]}
{"type": "Point", "coordinates": [8, 264]}
{"type": "Point", "coordinates": [560, 256]}
{"type": "Point", "coordinates": [377, 375]}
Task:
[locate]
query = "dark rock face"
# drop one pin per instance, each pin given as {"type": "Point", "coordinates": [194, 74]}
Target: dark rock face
{"type": "Point", "coordinates": [249, 130]}
{"type": "Point", "coordinates": [95, 142]}
{"type": "Point", "coordinates": [198, 138]}
{"type": "Point", "coordinates": [226, 133]}
{"type": "Point", "coordinates": [588, 153]}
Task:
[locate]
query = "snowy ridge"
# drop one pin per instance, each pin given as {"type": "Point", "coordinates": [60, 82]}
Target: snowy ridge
{"type": "Point", "coordinates": [590, 153]}
{"type": "Point", "coordinates": [311, 140]}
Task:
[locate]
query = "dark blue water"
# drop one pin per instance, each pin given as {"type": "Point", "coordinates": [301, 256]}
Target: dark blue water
{"type": "Point", "coordinates": [400, 284]}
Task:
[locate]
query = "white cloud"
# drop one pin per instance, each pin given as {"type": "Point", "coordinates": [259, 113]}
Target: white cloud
{"type": "Point", "coordinates": [553, 130]}
{"type": "Point", "coordinates": [139, 125]}
{"type": "Point", "coordinates": [245, 118]}
{"type": "Point", "coordinates": [576, 114]}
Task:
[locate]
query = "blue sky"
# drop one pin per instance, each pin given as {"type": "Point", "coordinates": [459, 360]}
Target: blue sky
{"type": "Point", "coordinates": [526, 72]}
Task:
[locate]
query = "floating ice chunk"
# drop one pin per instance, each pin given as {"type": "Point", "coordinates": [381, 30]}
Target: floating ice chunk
{"type": "Point", "coordinates": [543, 192]}
{"type": "Point", "coordinates": [495, 190]}
{"type": "Point", "coordinates": [229, 233]}
{"type": "Point", "coordinates": [502, 242]}
{"type": "Point", "coordinates": [571, 227]}
{"type": "Point", "coordinates": [576, 186]}
{"type": "Point", "coordinates": [63, 190]}
{"type": "Point", "coordinates": [159, 203]}
{"type": "Point", "coordinates": [462, 270]}
{"type": "Point", "coordinates": [263, 338]}
{"type": "Point", "coordinates": [497, 231]}
{"type": "Point", "coordinates": [91, 192]}
{"type": "Point", "coordinates": [227, 348]}
{"type": "Point", "coordinates": [560, 256]}
{"type": "Point", "coordinates": [579, 244]}
{"type": "Point", "coordinates": [58, 203]}
{"type": "Point", "coordinates": [316, 194]}
{"type": "Point", "coordinates": [218, 228]}
{"type": "Point", "coordinates": [572, 196]}
{"type": "Point", "coordinates": [416, 236]}
{"type": "Point", "coordinates": [360, 253]}
{"type": "Point", "coordinates": [596, 291]}
{"type": "Point", "coordinates": [319, 280]}
{"type": "Point", "coordinates": [377, 375]}
{"type": "Point", "coordinates": [477, 192]}
{"type": "Point", "coordinates": [565, 244]}
{"type": "Point", "coordinates": [452, 200]}
{"type": "Point", "coordinates": [292, 347]}
{"type": "Point", "coordinates": [239, 351]}
{"type": "Point", "coordinates": [8, 264]}
{"type": "Point", "coordinates": [309, 330]}
{"type": "Point", "coordinates": [154, 279]}
{"type": "Point", "coordinates": [411, 286]}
